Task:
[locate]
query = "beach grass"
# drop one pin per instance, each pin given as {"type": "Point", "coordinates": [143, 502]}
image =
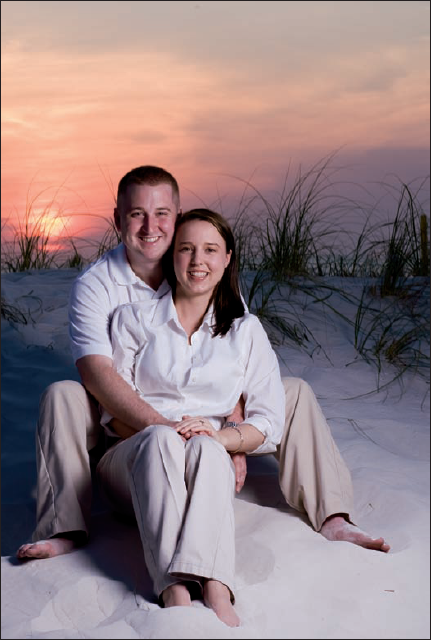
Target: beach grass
{"type": "Point", "coordinates": [12, 312]}
{"type": "Point", "coordinates": [293, 245]}
{"type": "Point", "coordinates": [31, 246]}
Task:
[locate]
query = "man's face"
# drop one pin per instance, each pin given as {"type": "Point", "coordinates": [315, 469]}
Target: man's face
{"type": "Point", "coordinates": [145, 217]}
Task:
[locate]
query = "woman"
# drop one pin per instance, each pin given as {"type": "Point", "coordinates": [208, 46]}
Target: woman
{"type": "Point", "coordinates": [191, 356]}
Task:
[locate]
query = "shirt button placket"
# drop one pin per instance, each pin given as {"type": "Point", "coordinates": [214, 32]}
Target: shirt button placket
{"type": "Point", "coordinates": [193, 358]}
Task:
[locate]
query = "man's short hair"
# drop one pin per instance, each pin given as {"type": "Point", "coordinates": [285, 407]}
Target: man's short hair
{"type": "Point", "coordinates": [150, 175]}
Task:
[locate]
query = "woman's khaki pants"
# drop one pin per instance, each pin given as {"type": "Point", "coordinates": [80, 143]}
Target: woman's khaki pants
{"type": "Point", "coordinates": [313, 477]}
{"type": "Point", "coordinates": [182, 495]}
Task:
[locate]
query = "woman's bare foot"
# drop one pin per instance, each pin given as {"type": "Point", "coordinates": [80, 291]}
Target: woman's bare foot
{"type": "Point", "coordinates": [217, 598]}
{"type": "Point", "coordinates": [177, 595]}
{"type": "Point", "coordinates": [337, 528]}
{"type": "Point", "coordinates": [46, 548]}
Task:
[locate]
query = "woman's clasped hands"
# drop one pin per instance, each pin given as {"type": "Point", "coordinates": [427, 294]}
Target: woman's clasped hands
{"type": "Point", "coordinates": [194, 426]}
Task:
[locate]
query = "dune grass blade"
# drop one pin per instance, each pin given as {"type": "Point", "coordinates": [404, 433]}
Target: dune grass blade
{"type": "Point", "coordinates": [287, 246]}
{"type": "Point", "coordinates": [406, 250]}
{"type": "Point", "coordinates": [12, 313]}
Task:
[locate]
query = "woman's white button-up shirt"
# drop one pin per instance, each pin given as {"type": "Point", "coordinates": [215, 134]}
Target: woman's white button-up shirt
{"type": "Point", "coordinates": [151, 351]}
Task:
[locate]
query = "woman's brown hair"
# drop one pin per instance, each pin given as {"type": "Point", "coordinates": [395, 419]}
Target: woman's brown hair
{"type": "Point", "coordinates": [226, 297]}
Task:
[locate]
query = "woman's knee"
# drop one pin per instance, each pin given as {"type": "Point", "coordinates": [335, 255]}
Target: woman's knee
{"type": "Point", "coordinates": [205, 445]}
{"type": "Point", "coordinates": [160, 433]}
{"type": "Point", "coordinates": [151, 440]}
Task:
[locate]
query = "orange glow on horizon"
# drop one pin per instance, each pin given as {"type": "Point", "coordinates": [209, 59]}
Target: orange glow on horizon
{"type": "Point", "coordinates": [76, 121]}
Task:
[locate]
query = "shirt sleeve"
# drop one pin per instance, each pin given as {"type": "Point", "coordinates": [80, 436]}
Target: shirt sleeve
{"type": "Point", "coordinates": [263, 389]}
{"type": "Point", "coordinates": [89, 307]}
{"type": "Point", "coordinates": [127, 337]}
{"type": "Point", "coordinates": [125, 344]}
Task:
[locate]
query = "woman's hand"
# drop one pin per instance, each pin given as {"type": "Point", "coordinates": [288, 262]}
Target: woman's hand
{"type": "Point", "coordinates": [195, 426]}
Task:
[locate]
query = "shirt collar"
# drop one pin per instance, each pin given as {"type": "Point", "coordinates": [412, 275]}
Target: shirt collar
{"type": "Point", "coordinates": [209, 317]}
{"type": "Point", "coordinates": [165, 311]}
{"type": "Point", "coordinates": [122, 273]}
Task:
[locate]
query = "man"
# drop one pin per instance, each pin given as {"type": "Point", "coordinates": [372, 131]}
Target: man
{"type": "Point", "coordinates": [148, 204]}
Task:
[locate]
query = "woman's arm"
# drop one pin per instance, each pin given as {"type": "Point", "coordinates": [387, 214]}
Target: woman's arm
{"type": "Point", "coordinates": [243, 438]}
{"type": "Point", "coordinates": [240, 439]}
{"type": "Point", "coordinates": [263, 391]}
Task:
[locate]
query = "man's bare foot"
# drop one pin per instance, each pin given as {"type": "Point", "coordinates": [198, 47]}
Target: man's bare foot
{"type": "Point", "coordinates": [177, 595]}
{"type": "Point", "coordinates": [217, 598]}
{"type": "Point", "coordinates": [337, 528]}
{"type": "Point", "coordinates": [46, 548]}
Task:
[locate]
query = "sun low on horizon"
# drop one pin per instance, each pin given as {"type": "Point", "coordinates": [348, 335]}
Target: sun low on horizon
{"type": "Point", "coordinates": [217, 93]}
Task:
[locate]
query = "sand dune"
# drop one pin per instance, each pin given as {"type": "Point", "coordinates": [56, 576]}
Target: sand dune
{"type": "Point", "coordinates": [291, 582]}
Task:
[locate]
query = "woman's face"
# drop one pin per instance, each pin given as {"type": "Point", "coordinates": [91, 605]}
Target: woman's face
{"type": "Point", "coordinates": [200, 258]}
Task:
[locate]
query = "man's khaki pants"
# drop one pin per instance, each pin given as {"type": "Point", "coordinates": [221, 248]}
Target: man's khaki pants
{"type": "Point", "coordinates": [313, 476]}
{"type": "Point", "coordinates": [182, 495]}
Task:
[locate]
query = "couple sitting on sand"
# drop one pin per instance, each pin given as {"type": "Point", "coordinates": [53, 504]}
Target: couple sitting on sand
{"type": "Point", "coordinates": [184, 383]}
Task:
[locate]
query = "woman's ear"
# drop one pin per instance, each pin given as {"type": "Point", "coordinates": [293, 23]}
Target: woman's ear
{"type": "Point", "coordinates": [228, 257]}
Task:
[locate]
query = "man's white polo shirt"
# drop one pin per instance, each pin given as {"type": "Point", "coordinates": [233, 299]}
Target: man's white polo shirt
{"type": "Point", "coordinates": [96, 293]}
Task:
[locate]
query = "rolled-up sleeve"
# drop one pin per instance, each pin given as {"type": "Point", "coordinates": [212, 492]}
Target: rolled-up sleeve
{"type": "Point", "coordinates": [263, 389]}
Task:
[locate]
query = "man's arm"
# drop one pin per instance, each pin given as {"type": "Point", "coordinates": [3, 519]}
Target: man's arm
{"type": "Point", "coordinates": [237, 414]}
{"type": "Point", "coordinates": [101, 379]}
{"type": "Point", "coordinates": [239, 459]}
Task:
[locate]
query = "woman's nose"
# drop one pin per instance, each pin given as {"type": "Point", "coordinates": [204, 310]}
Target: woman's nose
{"type": "Point", "coordinates": [196, 257]}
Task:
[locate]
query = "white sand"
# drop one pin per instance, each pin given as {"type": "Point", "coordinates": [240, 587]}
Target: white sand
{"type": "Point", "coordinates": [291, 582]}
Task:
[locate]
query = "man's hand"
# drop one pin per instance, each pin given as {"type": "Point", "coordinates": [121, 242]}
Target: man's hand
{"type": "Point", "coordinates": [240, 464]}
{"type": "Point", "coordinates": [237, 414]}
{"type": "Point", "coordinates": [238, 459]}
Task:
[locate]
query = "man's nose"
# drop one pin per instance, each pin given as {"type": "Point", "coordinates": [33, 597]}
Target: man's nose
{"type": "Point", "coordinates": [148, 224]}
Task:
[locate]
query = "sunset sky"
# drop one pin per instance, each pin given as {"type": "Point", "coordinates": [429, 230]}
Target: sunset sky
{"type": "Point", "coordinates": [208, 90]}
